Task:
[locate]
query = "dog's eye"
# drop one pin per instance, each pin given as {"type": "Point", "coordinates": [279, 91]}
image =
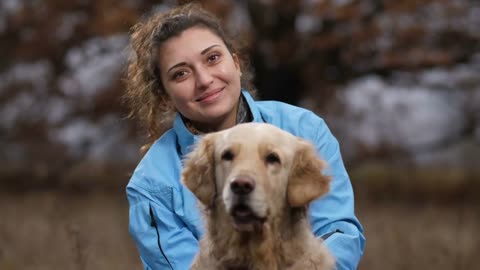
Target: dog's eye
{"type": "Point", "coordinates": [272, 158]}
{"type": "Point", "coordinates": [227, 155]}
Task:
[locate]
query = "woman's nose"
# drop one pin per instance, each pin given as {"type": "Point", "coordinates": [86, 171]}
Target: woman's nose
{"type": "Point", "coordinates": [203, 77]}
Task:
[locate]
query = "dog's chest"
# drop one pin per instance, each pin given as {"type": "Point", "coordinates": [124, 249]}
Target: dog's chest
{"type": "Point", "coordinates": [235, 265]}
{"type": "Point", "coordinates": [238, 268]}
{"type": "Point", "coordinates": [243, 267]}
{"type": "Point", "coordinates": [258, 265]}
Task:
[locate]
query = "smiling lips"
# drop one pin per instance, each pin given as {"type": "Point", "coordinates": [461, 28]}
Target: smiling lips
{"type": "Point", "coordinates": [210, 96]}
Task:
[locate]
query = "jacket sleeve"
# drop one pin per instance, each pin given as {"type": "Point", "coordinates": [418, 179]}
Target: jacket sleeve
{"type": "Point", "coordinates": [332, 216]}
{"type": "Point", "coordinates": [163, 240]}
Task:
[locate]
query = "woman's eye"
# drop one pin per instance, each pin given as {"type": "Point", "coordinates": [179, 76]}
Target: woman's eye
{"type": "Point", "coordinates": [213, 58]}
{"type": "Point", "coordinates": [179, 74]}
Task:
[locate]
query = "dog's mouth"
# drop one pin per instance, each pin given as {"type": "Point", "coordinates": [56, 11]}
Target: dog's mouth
{"type": "Point", "coordinates": [245, 219]}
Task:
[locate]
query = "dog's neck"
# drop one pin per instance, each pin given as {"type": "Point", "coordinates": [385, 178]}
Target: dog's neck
{"type": "Point", "coordinates": [268, 244]}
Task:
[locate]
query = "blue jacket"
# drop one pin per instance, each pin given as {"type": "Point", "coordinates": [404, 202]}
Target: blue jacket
{"type": "Point", "coordinates": [165, 221]}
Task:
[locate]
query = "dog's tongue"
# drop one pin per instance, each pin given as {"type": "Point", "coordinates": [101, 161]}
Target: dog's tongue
{"type": "Point", "coordinates": [242, 211]}
{"type": "Point", "coordinates": [245, 220]}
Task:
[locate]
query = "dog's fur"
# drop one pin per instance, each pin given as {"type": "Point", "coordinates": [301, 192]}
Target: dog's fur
{"type": "Point", "coordinates": [282, 174]}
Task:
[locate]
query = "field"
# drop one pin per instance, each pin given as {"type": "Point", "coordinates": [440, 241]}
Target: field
{"type": "Point", "coordinates": [58, 229]}
{"type": "Point", "coordinates": [425, 236]}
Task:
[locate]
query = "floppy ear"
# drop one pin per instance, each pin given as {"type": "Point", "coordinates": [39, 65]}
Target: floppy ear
{"type": "Point", "coordinates": [306, 182]}
{"type": "Point", "coordinates": [199, 172]}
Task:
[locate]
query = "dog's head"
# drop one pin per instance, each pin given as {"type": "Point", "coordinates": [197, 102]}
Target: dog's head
{"type": "Point", "coordinates": [256, 171]}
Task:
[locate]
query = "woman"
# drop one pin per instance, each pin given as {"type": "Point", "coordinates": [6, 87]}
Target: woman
{"type": "Point", "coordinates": [187, 79]}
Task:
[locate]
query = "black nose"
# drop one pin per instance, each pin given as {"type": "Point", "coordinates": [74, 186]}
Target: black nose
{"type": "Point", "coordinates": [242, 185]}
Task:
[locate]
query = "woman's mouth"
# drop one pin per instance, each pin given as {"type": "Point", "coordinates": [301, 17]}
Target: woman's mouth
{"type": "Point", "coordinates": [211, 96]}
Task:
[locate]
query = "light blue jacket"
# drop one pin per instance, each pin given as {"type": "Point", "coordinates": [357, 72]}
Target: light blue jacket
{"type": "Point", "coordinates": [165, 221]}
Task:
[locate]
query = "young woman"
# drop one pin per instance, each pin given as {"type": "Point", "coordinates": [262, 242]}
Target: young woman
{"type": "Point", "coordinates": [186, 78]}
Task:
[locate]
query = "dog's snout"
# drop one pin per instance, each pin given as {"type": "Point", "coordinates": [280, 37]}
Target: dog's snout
{"type": "Point", "coordinates": [242, 185]}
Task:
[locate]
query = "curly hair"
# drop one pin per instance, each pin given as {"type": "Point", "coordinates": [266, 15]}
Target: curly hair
{"type": "Point", "coordinates": [145, 96]}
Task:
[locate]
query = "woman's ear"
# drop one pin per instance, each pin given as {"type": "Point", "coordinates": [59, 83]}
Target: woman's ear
{"type": "Point", "coordinates": [306, 181]}
{"type": "Point", "coordinates": [198, 173]}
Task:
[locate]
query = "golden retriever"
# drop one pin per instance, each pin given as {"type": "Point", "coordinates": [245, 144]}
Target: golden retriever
{"type": "Point", "coordinates": [255, 182]}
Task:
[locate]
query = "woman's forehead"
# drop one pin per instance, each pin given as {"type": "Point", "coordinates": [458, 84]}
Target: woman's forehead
{"type": "Point", "coordinates": [191, 41]}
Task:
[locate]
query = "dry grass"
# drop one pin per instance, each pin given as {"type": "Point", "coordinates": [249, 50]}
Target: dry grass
{"type": "Point", "coordinates": [53, 230]}
{"type": "Point", "coordinates": [418, 218]}
{"type": "Point", "coordinates": [420, 236]}
{"type": "Point", "coordinates": [383, 182]}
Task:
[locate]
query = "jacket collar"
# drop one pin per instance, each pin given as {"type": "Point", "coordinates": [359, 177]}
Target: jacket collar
{"type": "Point", "coordinates": [186, 139]}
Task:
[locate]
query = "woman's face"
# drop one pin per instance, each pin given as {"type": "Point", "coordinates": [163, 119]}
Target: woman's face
{"type": "Point", "coordinates": [201, 77]}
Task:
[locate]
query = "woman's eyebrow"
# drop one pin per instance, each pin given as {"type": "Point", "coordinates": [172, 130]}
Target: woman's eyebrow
{"type": "Point", "coordinates": [177, 65]}
{"type": "Point", "coordinates": [202, 53]}
{"type": "Point", "coordinates": [207, 49]}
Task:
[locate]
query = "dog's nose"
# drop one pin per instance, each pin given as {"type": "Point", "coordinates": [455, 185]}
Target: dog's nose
{"type": "Point", "coordinates": [242, 185]}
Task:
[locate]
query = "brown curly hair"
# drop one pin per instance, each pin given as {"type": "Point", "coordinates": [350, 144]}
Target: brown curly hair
{"type": "Point", "coordinates": [145, 96]}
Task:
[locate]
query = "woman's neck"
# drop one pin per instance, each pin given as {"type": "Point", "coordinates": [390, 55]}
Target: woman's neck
{"type": "Point", "coordinates": [241, 114]}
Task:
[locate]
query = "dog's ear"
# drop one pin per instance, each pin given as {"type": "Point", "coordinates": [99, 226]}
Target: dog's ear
{"type": "Point", "coordinates": [306, 181]}
{"type": "Point", "coordinates": [199, 172]}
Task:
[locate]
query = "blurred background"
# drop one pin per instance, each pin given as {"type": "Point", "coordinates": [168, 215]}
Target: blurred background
{"type": "Point", "coordinates": [398, 82]}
